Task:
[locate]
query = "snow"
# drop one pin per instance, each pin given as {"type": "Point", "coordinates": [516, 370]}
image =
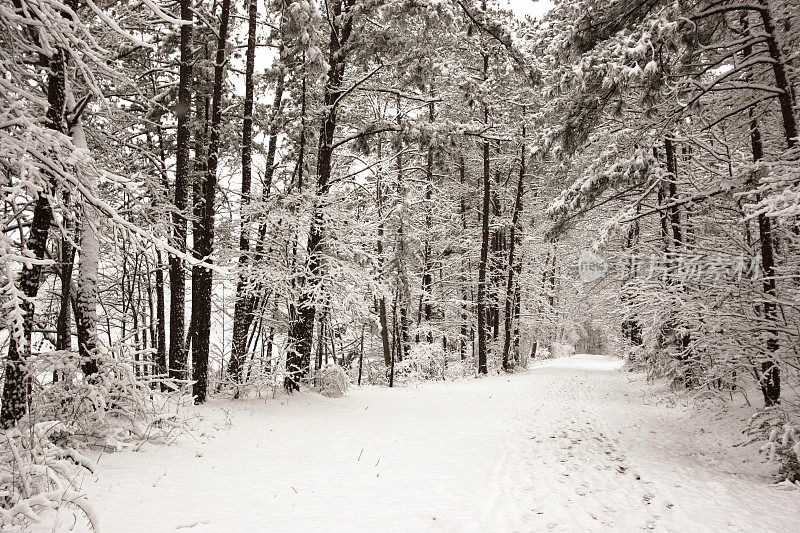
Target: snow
{"type": "Point", "coordinates": [571, 444]}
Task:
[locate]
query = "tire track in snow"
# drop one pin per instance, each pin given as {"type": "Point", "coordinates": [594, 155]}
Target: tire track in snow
{"type": "Point", "coordinates": [575, 474]}
{"type": "Point", "coordinates": [597, 458]}
{"type": "Point", "coordinates": [505, 507]}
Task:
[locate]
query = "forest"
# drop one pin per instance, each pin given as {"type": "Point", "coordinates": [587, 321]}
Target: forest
{"type": "Point", "coordinates": [208, 202]}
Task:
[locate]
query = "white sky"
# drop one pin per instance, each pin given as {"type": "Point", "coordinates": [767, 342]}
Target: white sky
{"type": "Point", "coordinates": [534, 8]}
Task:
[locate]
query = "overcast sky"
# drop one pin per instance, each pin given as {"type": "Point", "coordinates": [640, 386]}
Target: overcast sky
{"type": "Point", "coordinates": [534, 8]}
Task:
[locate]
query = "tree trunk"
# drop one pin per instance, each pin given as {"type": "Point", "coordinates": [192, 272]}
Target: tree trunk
{"type": "Point", "coordinates": [201, 302]}
{"type": "Point", "coordinates": [177, 274]}
{"type": "Point", "coordinates": [674, 216]}
{"type": "Point", "coordinates": [16, 383]}
{"type": "Point", "coordinates": [785, 97]}
{"type": "Point", "coordinates": [426, 309]}
{"type": "Point", "coordinates": [202, 128]}
{"type": "Point", "coordinates": [495, 267]}
{"type": "Point", "coordinates": [161, 342]}
{"type": "Point", "coordinates": [672, 188]}
{"type": "Point", "coordinates": [86, 286]}
{"type": "Point", "coordinates": [361, 357]}
{"type": "Point", "coordinates": [387, 356]}
{"type": "Point", "coordinates": [402, 298]}
{"type": "Point", "coordinates": [510, 282]}
{"type": "Point", "coordinates": [485, 213]}
{"type": "Point", "coordinates": [770, 380]}
{"type": "Point", "coordinates": [464, 328]}
{"type": "Point", "coordinates": [243, 306]}
{"type": "Point", "coordinates": [160, 337]}
{"type": "Point", "coordinates": [64, 326]}
{"type": "Point", "coordinates": [482, 265]}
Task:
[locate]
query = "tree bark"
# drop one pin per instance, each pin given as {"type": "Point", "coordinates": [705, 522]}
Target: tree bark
{"type": "Point", "coordinates": [678, 244]}
{"type": "Point", "coordinates": [482, 265]}
{"type": "Point", "coordinates": [17, 381]}
{"type": "Point", "coordinates": [201, 301]}
{"type": "Point", "coordinates": [161, 333]}
{"type": "Point", "coordinates": [387, 355]}
{"type": "Point", "coordinates": [86, 286]}
{"type": "Point", "coordinates": [511, 283]}
{"type": "Point", "coordinates": [770, 380]}
{"type": "Point", "coordinates": [485, 213]}
{"type": "Point", "coordinates": [402, 297]}
{"type": "Point", "coordinates": [464, 328]}
{"type": "Point", "coordinates": [426, 309]}
{"type": "Point", "coordinates": [64, 324]}
{"type": "Point", "coordinates": [177, 273]}
{"type": "Point", "coordinates": [243, 306]}
{"type": "Point", "coordinates": [785, 97]}
{"type": "Point", "coordinates": [770, 371]}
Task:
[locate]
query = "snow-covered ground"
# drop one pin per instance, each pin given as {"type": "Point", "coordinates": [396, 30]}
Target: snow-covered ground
{"type": "Point", "coordinates": [571, 444]}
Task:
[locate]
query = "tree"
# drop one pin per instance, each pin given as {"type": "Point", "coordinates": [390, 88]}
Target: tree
{"type": "Point", "coordinates": [177, 288]}
{"type": "Point", "coordinates": [302, 327]}
{"type": "Point", "coordinates": [243, 308]}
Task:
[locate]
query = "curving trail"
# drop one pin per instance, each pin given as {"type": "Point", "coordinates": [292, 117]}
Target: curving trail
{"type": "Point", "coordinates": [571, 444]}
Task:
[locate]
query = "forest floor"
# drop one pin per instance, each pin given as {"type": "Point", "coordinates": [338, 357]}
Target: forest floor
{"type": "Point", "coordinates": [570, 444]}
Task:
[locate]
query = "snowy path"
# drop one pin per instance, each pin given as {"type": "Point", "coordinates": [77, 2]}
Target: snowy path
{"type": "Point", "coordinates": [572, 444]}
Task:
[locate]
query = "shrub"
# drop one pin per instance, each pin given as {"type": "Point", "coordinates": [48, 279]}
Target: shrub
{"type": "Point", "coordinates": [38, 474]}
{"type": "Point", "coordinates": [781, 441]}
{"type": "Point", "coordinates": [333, 381]}
{"type": "Point", "coordinates": [41, 459]}
{"type": "Point", "coordinates": [424, 361]}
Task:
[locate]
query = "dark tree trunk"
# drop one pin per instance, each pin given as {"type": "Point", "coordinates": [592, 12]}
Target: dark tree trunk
{"type": "Point", "coordinates": [64, 325]}
{"type": "Point", "coordinates": [465, 295]}
{"type": "Point", "coordinates": [511, 283]}
{"type": "Point", "coordinates": [517, 302]}
{"type": "Point", "coordinates": [631, 328]}
{"type": "Point", "coordinates": [785, 97]}
{"type": "Point", "coordinates": [482, 266]}
{"type": "Point", "coordinates": [405, 345]}
{"type": "Point", "coordinates": [177, 273]}
{"type": "Point", "coordinates": [402, 298]}
{"type": "Point", "coordinates": [770, 371]}
{"type": "Point", "coordinates": [495, 266]}
{"type": "Point", "coordinates": [361, 357]}
{"type": "Point", "coordinates": [387, 356]}
{"type": "Point", "coordinates": [426, 309]}
{"type": "Point", "coordinates": [243, 306]}
{"type": "Point", "coordinates": [301, 149]}
{"type": "Point", "coordinates": [485, 213]}
{"type": "Point", "coordinates": [16, 383]}
{"type": "Point", "coordinates": [672, 193]}
{"type": "Point", "coordinates": [678, 244]}
{"type": "Point", "coordinates": [770, 380]}
{"type": "Point", "coordinates": [160, 337]}
{"type": "Point", "coordinates": [201, 301]}
{"type": "Point", "coordinates": [551, 278]}
{"type": "Point", "coordinates": [199, 172]}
